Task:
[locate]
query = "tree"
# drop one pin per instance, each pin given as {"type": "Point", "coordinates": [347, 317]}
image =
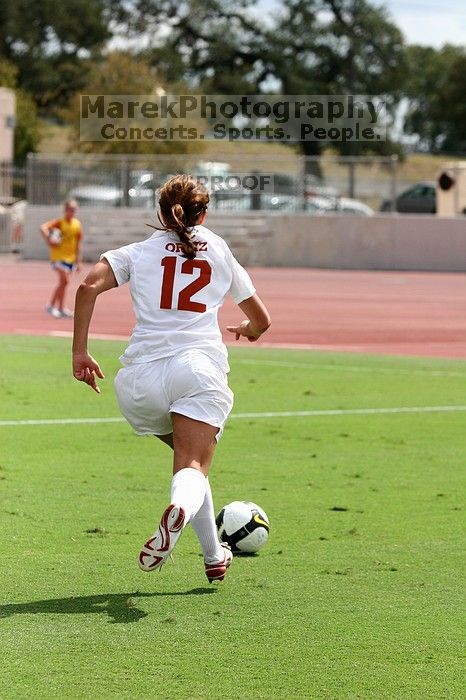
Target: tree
{"type": "Point", "coordinates": [331, 47]}
{"type": "Point", "coordinates": [50, 41]}
{"type": "Point", "coordinates": [212, 42]}
{"type": "Point", "coordinates": [27, 131]}
{"type": "Point", "coordinates": [121, 73]}
{"type": "Point", "coordinates": [310, 47]}
{"type": "Point", "coordinates": [437, 108]}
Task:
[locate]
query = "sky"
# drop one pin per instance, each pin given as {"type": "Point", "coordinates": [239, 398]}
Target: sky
{"type": "Point", "coordinates": [430, 22]}
{"type": "Point", "coordinates": [427, 22]}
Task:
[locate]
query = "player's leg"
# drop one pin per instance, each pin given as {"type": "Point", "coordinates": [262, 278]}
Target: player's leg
{"type": "Point", "coordinates": [193, 448]}
{"type": "Point", "coordinates": [194, 445]}
{"type": "Point", "coordinates": [200, 401]}
{"type": "Point", "coordinates": [203, 521]}
{"type": "Point", "coordinates": [61, 289]}
{"type": "Point", "coordinates": [216, 559]}
{"type": "Point", "coordinates": [54, 296]}
{"type": "Point", "coordinates": [52, 307]}
{"type": "Point", "coordinates": [210, 405]}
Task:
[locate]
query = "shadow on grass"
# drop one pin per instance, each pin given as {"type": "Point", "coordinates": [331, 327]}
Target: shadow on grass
{"type": "Point", "coordinates": [120, 607]}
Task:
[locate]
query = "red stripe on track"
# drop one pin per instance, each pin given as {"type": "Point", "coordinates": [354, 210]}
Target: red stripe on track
{"type": "Point", "coordinates": [399, 313]}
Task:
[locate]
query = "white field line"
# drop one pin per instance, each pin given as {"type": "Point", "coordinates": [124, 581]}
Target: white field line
{"type": "Point", "coordinates": [320, 347]}
{"type": "Point", "coordinates": [266, 414]}
{"type": "Point", "coordinates": [61, 421]}
{"type": "Point", "coordinates": [92, 336]}
{"type": "Point", "coordinates": [277, 346]}
{"type": "Point", "coordinates": [280, 346]}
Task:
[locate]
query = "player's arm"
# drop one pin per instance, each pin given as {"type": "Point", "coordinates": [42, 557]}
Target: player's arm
{"type": "Point", "coordinates": [258, 319]}
{"type": "Point", "coordinates": [45, 228]}
{"type": "Point", "coordinates": [99, 279]}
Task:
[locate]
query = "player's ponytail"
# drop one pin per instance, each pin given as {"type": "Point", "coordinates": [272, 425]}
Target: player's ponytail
{"type": "Point", "coordinates": [183, 231]}
{"type": "Point", "coordinates": [183, 200]}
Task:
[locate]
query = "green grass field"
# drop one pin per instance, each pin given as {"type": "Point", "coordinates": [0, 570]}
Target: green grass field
{"type": "Point", "coordinates": [358, 593]}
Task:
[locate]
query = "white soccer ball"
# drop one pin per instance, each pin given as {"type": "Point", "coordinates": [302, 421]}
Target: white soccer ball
{"type": "Point", "coordinates": [55, 236]}
{"type": "Point", "coordinates": [244, 526]}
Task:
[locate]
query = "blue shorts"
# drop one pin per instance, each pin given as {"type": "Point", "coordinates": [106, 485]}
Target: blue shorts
{"type": "Point", "coordinates": [62, 265]}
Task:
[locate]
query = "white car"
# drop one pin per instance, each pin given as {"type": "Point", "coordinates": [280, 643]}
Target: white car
{"type": "Point", "coordinates": [351, 206]}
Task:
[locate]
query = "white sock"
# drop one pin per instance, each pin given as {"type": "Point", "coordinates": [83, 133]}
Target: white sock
{"type": "Point", "coordinates": [188, 491]}
{"type": "Point", "coordinates": [206, 529]}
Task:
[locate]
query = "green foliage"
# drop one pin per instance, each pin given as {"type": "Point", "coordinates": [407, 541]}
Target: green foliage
{"type": "Point", "coordinates": [318, 47]}
{"type": "Point", "coordinates": [49, 41]}
{"type": "Point", "coordinates": [121, 73]}
{"type": "Point", "coordinates": [356, 49]}
{"type": "Point", "coordinates": [27, 131]}
{"type": "Point", "coordinates": [351, 48]}
{"type": "Point", "coordinates": [8, 74]}
{"type": "Point", "coordinates": [437, 110]}
{"type": "Point", "coordinates": [358, 593]}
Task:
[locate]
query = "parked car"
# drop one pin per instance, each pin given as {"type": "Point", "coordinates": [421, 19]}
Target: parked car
{"type": "Point", "coordinates": [265, 201]}
{"type": "Point", "coordinates": [354, 207]}
{"type": "Point", "coordinates": [318, 206]}
{"type": "Point", "coordinates": [418, 199]}
{"type": "Point", "coordinates": [142, 190]}
{"type": "Point", "coordinates": [140, 194]}
{"type": "Point", "coordinates": [226, 193]}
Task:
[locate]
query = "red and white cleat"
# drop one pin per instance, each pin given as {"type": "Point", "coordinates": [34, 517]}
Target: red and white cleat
{"type": "Point", "coordinates": [159, 547]}
{"type": "Point", "coordinates": [217, 572]}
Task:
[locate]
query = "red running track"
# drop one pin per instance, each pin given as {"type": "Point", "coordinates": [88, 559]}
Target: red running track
{"type": "Point", "coordinates": [399, 313]}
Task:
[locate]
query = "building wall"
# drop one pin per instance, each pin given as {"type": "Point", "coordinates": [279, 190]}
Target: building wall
{"type": "Point", "coordinates": [384, 242]}
{"type": "Point", "coordinates": [453, 201]}
{"type": "Point", "coordinates": [7, 119]}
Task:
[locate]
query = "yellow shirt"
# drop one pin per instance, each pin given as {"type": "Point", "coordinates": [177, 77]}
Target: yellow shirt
{"type": "Point", "coordinates": [68, 248]}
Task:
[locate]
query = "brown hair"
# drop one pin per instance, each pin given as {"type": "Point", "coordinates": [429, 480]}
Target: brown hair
{"type": "Point", "coordinates": [182, 201]}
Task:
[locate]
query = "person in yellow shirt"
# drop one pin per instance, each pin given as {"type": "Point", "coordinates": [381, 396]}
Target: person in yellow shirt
{"type": "Point", "coordinates": [63, 237]}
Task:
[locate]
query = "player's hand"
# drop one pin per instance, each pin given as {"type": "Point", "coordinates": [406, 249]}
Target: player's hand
{"type": "Point", "coordinates": [85, 369]}
{"type": "Point", "coordinates": [246, 330]}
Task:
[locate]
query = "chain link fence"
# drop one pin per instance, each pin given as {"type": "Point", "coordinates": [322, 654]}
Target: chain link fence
{"type": "Point", "coordinates": [12, 182]}
{"type": "Point", "coordinates": [317, 185]}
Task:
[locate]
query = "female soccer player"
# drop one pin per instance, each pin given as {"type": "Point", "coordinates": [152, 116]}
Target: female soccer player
{"type": "Point", "coordinates": [173, 383]}
{"type": "Point", "coordinates": [64, 255]}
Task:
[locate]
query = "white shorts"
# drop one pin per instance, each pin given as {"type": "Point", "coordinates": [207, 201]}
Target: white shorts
{"type": "Point", "coordinates": [190, 383]}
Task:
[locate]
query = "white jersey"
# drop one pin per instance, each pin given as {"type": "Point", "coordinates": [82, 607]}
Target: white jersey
{"type": "Point", "coordinates": [176, 300]}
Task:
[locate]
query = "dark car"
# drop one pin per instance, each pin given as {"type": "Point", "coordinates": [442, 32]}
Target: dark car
{"type": "Point", "coordinates": [418, 199]}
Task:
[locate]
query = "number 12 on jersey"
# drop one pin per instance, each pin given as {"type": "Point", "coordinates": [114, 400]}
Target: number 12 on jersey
{"type": "Point", "coordinates": [188, 267]}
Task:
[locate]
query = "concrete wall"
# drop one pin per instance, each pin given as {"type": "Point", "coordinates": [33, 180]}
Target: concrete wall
{"type": "Point", "coordinates": [408, 242]}
{"type": "Point", "coordinates": [385, 242]}
{"type": "Point", "coordinates": [110, 228]}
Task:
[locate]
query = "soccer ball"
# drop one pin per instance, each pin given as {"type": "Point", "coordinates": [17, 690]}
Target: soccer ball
{"type": "Point", "coordinates": [244, 526]}
{"type": "Point", "coordinates": [55, 236]}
